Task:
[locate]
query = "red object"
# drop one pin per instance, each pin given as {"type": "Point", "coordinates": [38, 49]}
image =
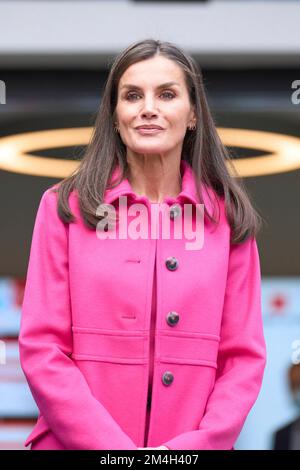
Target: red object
{"type": "Point", "coordinates": [278, 304]}
{"type": "Point", "coordinates": [19, 291]}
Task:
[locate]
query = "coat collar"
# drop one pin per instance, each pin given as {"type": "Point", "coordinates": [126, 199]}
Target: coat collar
{"type": "Point", "coordinates": [188, 191]}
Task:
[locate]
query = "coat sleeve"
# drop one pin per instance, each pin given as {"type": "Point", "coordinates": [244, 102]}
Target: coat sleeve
{"type": "Point", "coordinates": [241, 357]}
{"type": "Point", "coordinates": [60, 390]}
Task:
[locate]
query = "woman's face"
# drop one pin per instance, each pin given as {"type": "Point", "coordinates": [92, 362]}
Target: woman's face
{"type": "Point", "coordinates": [143, 100]}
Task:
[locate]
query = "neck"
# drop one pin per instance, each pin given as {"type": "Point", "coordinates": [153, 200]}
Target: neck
{"type": "Point", "coordinates": [154, 178]}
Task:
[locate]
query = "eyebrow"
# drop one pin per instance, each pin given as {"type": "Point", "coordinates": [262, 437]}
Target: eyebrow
{"type": "Point", "coordinates": [163, 85]}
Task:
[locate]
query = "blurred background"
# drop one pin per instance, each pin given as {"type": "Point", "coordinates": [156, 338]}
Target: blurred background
{"type": "Point", "coordinates": [54, 60]}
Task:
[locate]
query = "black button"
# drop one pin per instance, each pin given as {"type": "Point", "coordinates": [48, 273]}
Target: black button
{"type": "Point", "coordinates": [175, 211]}
{"type": "Point", "coordinates": [167, 378]}
{"type": "Point", "coordinates": [172, 263]}
{"type": "Point", "coordinates": [172, 318]}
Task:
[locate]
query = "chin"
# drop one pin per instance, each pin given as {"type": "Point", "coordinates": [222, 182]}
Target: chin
{"type": "Point", "coordinates": [149, 148]}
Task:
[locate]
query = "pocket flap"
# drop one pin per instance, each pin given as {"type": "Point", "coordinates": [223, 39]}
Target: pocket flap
{"type": "Point", "coordinates": [189, 348]}
{"type": "Point", "coordinates": [109, 345]}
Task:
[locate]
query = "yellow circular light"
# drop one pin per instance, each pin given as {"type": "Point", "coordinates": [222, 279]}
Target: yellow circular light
{"type": "Point", "coordinates": [15, 156]}
{"type": "Point", "coordinates": [283, 156]}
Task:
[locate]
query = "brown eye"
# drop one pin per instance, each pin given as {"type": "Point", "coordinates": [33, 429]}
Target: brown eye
{"type": "Point", "coordinates": [169, 93]}
{"type": "Point", "coordinates": [165, 93]}
{"type": "Point", "coordinates": [129, 96]}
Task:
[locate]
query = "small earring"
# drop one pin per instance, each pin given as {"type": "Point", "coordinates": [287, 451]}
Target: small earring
{"type": "Point", "coordinates": [192, 128]}
{"type": "Point", "coordinates": [116, 128]}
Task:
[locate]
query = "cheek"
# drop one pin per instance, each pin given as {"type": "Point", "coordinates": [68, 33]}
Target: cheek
{"type": "Point", "coordinates": [177, 116]}
{"type": "Point", "coordinates": [125, 110]}
{"type": "Point", "coordinates": [125, 113]}
{"type": "Point", "coordinates": [178, 125]}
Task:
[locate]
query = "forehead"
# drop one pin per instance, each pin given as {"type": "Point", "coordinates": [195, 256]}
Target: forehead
{"type": "Point", "coordinates": [154, 71]}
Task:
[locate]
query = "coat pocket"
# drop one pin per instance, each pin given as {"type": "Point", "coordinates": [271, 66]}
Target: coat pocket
{"type": "Point", "coordinates": [122, 347]}
{"type": "Point", "coordinates": [190, 359]}
{"type": "Point", "coordinates": [114, 364]}
{"type": "Point", "coordinates": [189, 348]}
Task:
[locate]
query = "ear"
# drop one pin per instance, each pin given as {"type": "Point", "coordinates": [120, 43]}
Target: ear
{"type": "Point", "coordinates": [193, 115]}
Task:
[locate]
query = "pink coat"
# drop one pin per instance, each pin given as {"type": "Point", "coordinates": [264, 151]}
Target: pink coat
{"type": "Point", "coordinates": [84, 335]}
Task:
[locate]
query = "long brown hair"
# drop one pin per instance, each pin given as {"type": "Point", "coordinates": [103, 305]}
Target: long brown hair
{"type": "Point", "coordinates": [202, 149]}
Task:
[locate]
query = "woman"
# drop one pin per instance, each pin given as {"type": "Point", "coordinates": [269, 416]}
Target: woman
{"type": "Point", "coordinates": [134, 341]}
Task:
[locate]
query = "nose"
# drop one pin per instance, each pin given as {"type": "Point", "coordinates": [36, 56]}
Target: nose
{"type": "Point", "coordinates": [149, 107]}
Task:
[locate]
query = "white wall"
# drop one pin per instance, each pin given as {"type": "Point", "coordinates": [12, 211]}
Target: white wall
{"type": "Point", "coordinates": [85, 32]}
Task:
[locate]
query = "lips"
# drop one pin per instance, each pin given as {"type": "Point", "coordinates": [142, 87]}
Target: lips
{"type": "Point", "coordinates": [149, 127]}
{"type": "Point", "coordinates": [149, 130]}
